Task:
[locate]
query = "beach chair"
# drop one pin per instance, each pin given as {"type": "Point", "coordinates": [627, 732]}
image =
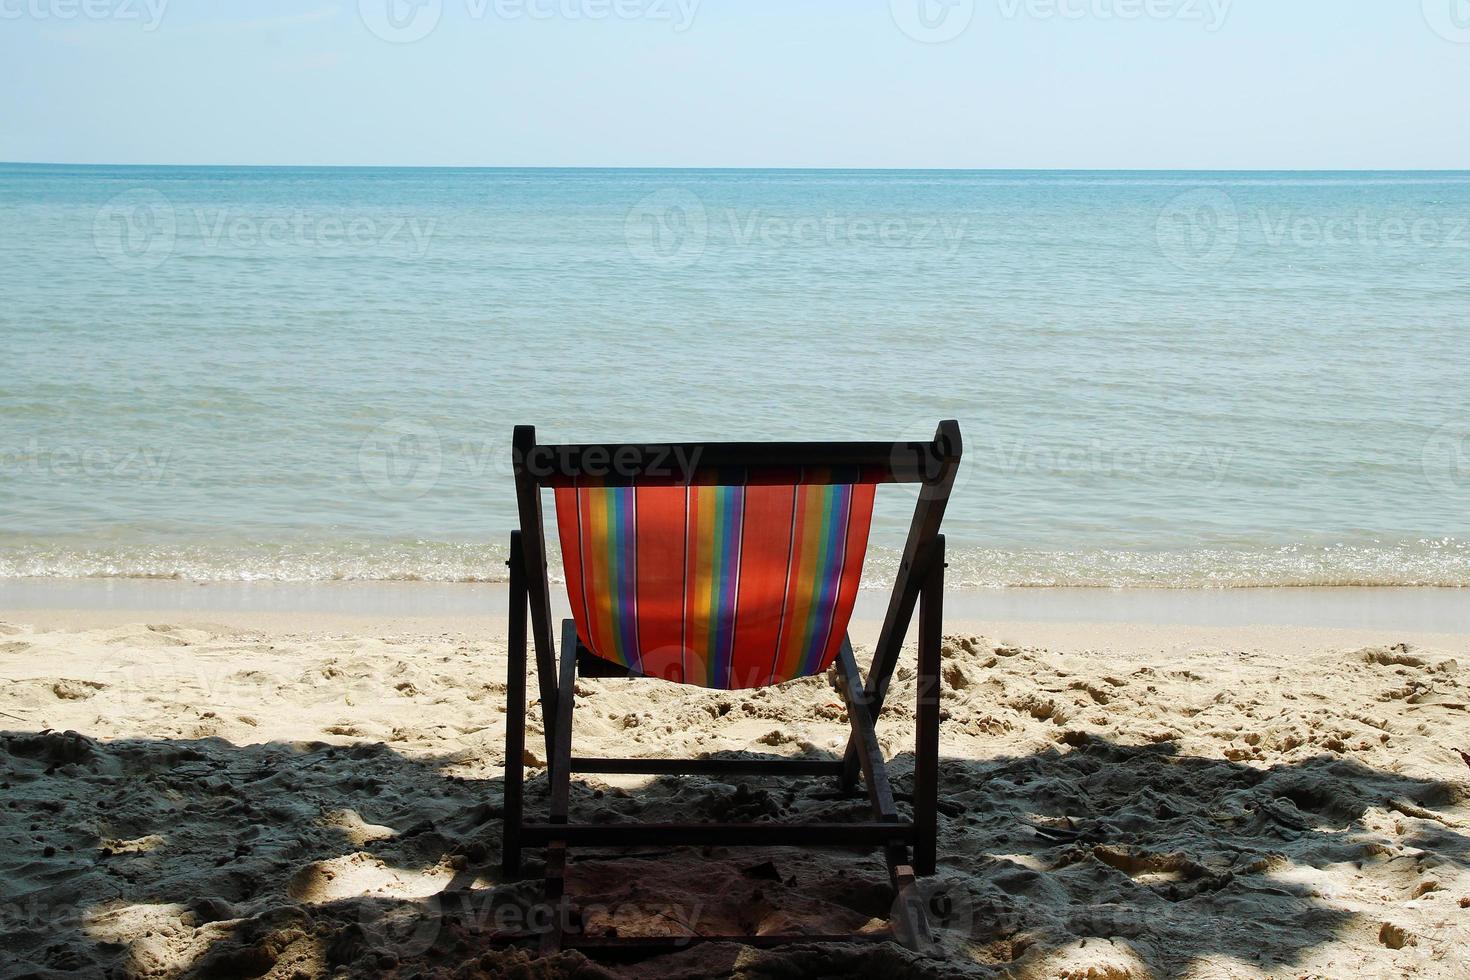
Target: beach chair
{"type": "Point", "coordinates": [731, 566]}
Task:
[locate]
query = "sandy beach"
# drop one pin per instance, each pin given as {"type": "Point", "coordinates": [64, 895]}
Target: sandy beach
{"type": "Point", "coordinates": [239, 793]}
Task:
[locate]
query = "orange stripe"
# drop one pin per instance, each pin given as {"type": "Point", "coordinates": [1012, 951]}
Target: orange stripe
{"type": "Point", "coordinates": [600, 583]}
{"type": "Point", "coordinates": [765, 540]}
{"type": "Point", "coordinates": [571, 557]}
{"type": "Point", "coordinates": [799, 585]}
{"type": "Point", "coordinates": [661, 580]}
{"type": "Point", "coordinates": [695, 631]}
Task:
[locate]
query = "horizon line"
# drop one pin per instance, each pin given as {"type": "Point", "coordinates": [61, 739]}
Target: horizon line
{"type": "Point", "coordinates": [798, 169]}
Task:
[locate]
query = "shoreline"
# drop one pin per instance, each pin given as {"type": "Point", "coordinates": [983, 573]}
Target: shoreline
{"type": "Point", "coordinates": [1419, 610]}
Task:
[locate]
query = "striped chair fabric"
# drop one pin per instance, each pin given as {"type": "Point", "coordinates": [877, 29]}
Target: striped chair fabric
{"type": "Point", "coordinates": [725, 585]}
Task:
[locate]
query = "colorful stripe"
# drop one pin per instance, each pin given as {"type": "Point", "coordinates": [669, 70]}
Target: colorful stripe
{"type": "Point", "coordinates": [607, 564]}
{"type": "Point", "coordinates": [722, 585]}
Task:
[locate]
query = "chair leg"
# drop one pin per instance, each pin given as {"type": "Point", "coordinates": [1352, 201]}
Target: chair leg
{"type": "Point", "coordinates": [515, 715]}
{"type": "Point", "coordinates": [847, 777]}
{"type": "Point", "coordinates": [875, 773]}
{"type": "Point", "coordinates": [554, 898]}
{"type": "Point", "coordinates": [910, 924]}
{"type": "Point", "coordinates": [926, 747]}
{"type": "Point", "coordinates": [554, 892]}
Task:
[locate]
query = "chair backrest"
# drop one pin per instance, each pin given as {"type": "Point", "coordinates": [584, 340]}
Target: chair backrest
{"type": "Point", "coordinates": [726, 586]}
{"type": "Point", "coordinates": [720, 564]}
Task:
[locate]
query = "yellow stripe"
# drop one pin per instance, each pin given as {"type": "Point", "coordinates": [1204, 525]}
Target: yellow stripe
{"type": "Point", "coordinates": [603, 596]}
{"type": "Point", "coordinates": [704, 561]}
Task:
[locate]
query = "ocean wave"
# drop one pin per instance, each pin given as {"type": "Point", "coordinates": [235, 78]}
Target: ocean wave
{"type": "Point", "coordinates": [1440, 562]}
{"type": "Point", "coordinates": [1436, 563]}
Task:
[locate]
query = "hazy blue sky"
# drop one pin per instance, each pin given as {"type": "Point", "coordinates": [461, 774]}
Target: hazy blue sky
{"type": "Point", "coordinates": [860, 83]}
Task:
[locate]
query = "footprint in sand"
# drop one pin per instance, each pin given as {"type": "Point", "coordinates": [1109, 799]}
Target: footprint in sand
{"type": "Point", "coordinates": [148, 636]}
{"type": "Point", "coordinates": [1040, 709]}
{"type": "Point", "coordinates": [1174, 876]}
{"type": "Point", "coordinates": [1397, 655]}
{"type": "Point", "coordinates": [1092, 690]}
{"type": "Point", "coordinates": [67, 689]}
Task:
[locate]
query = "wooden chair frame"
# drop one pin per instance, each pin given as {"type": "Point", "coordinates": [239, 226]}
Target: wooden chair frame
{"type": "Point", "coordinates": [919, 583]}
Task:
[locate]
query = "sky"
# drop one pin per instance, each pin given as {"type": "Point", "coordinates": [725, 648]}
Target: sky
{"type": "Point", "coordinates": [1105, 84]}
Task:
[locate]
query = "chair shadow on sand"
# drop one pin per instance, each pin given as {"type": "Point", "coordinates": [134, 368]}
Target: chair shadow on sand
{"type": "Point", "coordinates": [206, 858]}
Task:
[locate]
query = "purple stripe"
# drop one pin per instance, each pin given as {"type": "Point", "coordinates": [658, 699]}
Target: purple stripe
{"type": "Point", "coordinates": [628, 578]}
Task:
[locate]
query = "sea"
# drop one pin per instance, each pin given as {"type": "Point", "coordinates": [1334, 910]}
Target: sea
{"type": "Point", "coordinates": [1164, 379]}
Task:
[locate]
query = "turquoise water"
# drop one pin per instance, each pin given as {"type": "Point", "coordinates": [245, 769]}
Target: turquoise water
{"type": "Point", "coordinates": [1164, 378]}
